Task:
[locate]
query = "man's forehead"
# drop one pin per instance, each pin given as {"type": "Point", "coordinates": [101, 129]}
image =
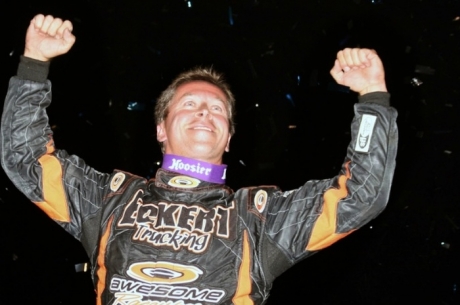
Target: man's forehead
{"type": "Point", "coordinates": [200, 87]}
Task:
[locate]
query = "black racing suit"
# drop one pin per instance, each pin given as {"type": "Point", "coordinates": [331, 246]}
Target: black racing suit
{"type": "Point", "coordinates": [156, 242]}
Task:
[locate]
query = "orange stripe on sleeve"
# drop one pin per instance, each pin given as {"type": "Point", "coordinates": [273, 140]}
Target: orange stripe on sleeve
{"type": "Point", "coordinates": [323, 234]}
{"type": "Point", "coordinates": [244, 277]}
{"type": "Point", "coordinates": [55, 202]}
{"type": "Point", "coordinates": [102, 271]}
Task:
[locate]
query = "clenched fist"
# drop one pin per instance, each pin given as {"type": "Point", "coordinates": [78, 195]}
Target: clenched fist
{"type": "Point", "coordinates": [360, 69]}
{"type": "Point", "coordinates": [48, 37]}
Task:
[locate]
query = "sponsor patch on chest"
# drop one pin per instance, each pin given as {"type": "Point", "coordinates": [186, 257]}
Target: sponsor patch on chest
{"type": "Point", "coordinates": [162, 282]}
{"type": "Point", "coordinates": [177, 225]}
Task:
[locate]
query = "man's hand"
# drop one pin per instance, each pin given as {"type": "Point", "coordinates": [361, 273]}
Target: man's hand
{"type": "Point", "coordinates": [48, 37]}
{"type": "Point", "coordinates": [359, 69]}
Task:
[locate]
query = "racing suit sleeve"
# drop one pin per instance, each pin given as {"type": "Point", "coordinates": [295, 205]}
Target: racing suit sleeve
{"type": "Point", "coordinates": [63, 186]}
{"type": "Point", "coordinates": [312, 217]}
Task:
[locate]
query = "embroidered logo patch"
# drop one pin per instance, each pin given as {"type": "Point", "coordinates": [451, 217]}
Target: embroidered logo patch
{"type": "Point", "coordinates": [164, 272]}
{"type": "Point", "coordinates": [184, 182]}
{"type": "Point", "coordinates": [366, 129]}
{"type": "Point", "coordinates": [260, 200]}
{"type": "Point", "coordinates": [117, 181]}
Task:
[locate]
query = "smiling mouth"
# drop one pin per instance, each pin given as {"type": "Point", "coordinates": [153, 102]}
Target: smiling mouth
{"type": "Point", "coordinates": [202, 128]}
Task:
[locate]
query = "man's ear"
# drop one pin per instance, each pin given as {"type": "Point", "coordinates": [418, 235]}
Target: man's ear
{"type": "Point", "coordinates": [161, 132]}
{"type": "Point", "coordinates": [227, 148]}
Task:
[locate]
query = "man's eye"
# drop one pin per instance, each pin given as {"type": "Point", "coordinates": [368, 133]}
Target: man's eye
{"type": "Point", "coordinates": [216, 108]}
{"type": "Point", "coordinates": [189, 103]}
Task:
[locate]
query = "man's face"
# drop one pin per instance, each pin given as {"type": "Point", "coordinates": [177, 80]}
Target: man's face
{"type": "Point", "coordinates": [197, 123]}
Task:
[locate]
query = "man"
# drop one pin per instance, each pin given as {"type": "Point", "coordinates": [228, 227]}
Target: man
{"type": "Point", "coordinates": [184, 237]}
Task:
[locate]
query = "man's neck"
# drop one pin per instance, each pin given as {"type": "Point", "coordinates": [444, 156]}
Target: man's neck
{"type": "Point", "coordinates": [195, 168]}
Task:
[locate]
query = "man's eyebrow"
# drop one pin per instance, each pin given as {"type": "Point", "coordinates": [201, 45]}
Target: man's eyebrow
{"type": "Point", "coordinates": [192, 94]}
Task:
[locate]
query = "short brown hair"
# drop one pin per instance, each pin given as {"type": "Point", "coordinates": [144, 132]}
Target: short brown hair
{"type": "Point", "coordinates": [208, 75]}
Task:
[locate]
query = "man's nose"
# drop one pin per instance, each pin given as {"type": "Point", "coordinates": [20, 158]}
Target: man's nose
{"type": "Point", "coordinates": [203, 111]}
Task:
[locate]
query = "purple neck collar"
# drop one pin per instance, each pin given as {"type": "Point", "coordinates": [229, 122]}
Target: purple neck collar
{"type": "Point", "coordinates": [195, 168]}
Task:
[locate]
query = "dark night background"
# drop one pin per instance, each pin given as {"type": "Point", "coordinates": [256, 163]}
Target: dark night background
{"type": "Point", "coordinates": [276, 54]}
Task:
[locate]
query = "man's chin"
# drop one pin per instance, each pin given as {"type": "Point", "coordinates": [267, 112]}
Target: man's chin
{"type": "Point", "coordinates": [204, 153]}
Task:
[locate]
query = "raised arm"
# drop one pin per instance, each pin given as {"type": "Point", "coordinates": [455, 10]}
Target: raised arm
{"type": "Point", "coordinates": [62, 185]}
{"type": "Point", "coordinates": [321, 212]}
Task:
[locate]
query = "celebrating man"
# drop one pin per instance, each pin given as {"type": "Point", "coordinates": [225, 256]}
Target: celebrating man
{"type": "Point", "coordinates": [184, 237]}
